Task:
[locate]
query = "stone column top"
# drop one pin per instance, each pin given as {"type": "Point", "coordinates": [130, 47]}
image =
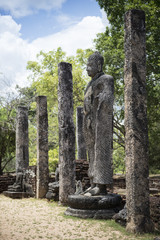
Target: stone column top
{"type": "Point", "coordinates": [41, 96]}
{"type": "Point", "coordinates": [65, 65]}
{"type": "Point", "coordinates": [137, 19]}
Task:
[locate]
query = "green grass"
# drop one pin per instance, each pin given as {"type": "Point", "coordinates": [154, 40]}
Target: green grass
{"type": "Point", "coordinates": [105, 224]}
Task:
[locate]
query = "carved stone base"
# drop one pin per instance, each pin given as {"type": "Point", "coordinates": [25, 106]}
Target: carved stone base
{"type": "Point", "coordinates": [97, 207]}
{"type": "Point", "coordinates": [16, 194]}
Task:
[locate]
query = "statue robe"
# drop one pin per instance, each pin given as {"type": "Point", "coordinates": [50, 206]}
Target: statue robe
{"type": "Point", "coordinates": [98, 127]}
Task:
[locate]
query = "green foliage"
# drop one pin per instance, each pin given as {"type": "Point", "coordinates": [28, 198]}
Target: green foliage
{"type": "Point", "coordinates": [53, 159]}
{"type": "Point", "coordinates": [118, 159]}
{"type": "Point", "coordinates": [53, 164]}
{"type": "Point", "coordinates": [32, 161]}
{"type": "Point", "coordinates": [7, 134]}
{"type": "Point", "coordinates": [111, 43]}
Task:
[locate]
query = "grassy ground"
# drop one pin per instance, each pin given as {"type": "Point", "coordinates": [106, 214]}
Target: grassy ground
{"type": "Point", "coordinates": [28, 219]}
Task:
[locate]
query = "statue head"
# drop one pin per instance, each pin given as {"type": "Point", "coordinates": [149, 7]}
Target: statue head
{"type": "Point", "coordinates": [94, 64]}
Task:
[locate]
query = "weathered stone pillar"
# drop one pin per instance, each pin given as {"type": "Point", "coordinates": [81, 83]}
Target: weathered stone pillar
{"type": "Point", "coordinates": [66, 132]}
{"type": "Point", "coordinates": [42, 147]}
{"type": "Point", "coordinates": [136, 136]}
{"type": "Point", "coordinates": [81, 146]}
{"type": "Point", "coordinates": [22, 153]}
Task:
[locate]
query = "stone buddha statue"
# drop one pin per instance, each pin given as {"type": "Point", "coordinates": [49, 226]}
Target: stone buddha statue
{"type": "Point", "coordinates": [98, 125]}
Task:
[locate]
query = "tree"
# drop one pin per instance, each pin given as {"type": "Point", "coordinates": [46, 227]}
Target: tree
{"type": "Point", "coordinates": [44, 77]}
{"type": "Point", "coordinates": [111, 43]}
{"type": "Point", "coordinates": [7, 133]}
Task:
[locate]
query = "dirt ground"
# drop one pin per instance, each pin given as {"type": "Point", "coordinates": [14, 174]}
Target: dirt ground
{"type": "Point", "coordinates": [28, 219]}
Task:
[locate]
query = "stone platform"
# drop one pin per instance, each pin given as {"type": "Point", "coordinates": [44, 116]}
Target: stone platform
{"type": "Point", "coordinates": [15, 195]}
{"type": "Point", "coordinates": [97, 207]}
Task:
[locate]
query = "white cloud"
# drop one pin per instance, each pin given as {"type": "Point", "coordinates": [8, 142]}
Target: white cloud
{"type": "Point", "coordinates": [15, 52]}
{"type": "Point", "coordinates": [80, 35]}
{"type": "Point", "coordinates": [7, 24]}
{"type": "Point", "coordinates": [19, 8]}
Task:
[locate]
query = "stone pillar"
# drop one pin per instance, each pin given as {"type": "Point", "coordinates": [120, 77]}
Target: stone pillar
{"type": "Point", "coordinates": [42, 147]}
{"type": "Point", "coordinates": [136, 135]}
{"type": "Point", "coordinates": [66, 132]}
{"type": "Point", "coordinates": [81, 146]}
{"type": "Point", "coordinates": [22, 153]}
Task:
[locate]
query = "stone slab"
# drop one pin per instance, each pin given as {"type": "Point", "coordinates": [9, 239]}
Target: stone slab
{"type": "Point", "coordinates": [16, 195]}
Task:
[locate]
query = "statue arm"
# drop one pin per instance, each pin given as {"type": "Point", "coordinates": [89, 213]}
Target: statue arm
{"type": "Point", "coordinates": [106, 96]}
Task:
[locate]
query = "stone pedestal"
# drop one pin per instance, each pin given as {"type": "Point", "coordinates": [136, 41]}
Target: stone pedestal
{"type": "Point", "coordinates": [66, 132]}
{"type": "Point", "coordinates": [97, 207]}
{"type": "Point", "coordinates": [136, 135]}
{"type": "Point", "coordinates": [22, 153]}
{"type": "Point", "coordinates": [42, 147]}
{"type": "Point", "coordinates": [20, 189]}
{"type": "Point", "coordinates": [17, 195]}
{"type": "Point", "coordinates": [81, 146]}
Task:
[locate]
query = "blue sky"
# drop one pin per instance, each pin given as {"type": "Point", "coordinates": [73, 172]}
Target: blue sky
{"type": "Point", "coordinates": [28, 26]}
{"type": "Point", "coordinates": [44, 23]}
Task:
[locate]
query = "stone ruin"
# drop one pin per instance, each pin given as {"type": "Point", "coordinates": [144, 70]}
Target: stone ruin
{"type": "Point", "coordinates": [42, 147]}
{"type": "Point", "coordinates": [66, 132]}
{"type": "Point", "coordinates": [53, 188]}
{"type": "Point", "coordinates": [21, 188]}
{"type": "Point", "coordinates": [136, 213]}
{"type": "Point", "coordinates": [136, 134]}
{"type": "Point", "coordinates": [22, 153]}
{"type": "Point", "coordinates": [95, 202]}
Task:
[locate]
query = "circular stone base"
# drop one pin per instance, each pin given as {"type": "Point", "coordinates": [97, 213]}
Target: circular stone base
{"type": "Point", "coordinates": [98, 207]}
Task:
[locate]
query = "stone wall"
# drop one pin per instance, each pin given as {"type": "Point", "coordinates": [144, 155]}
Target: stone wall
{"type": "Point", "coordinates": [6, 180]}
{"type": "Point", "coordinates": [154, 182]}
{"type": "Point", "coordinates": [81, 174]}
{"type": "Point", "coordinates": [118, 180]}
